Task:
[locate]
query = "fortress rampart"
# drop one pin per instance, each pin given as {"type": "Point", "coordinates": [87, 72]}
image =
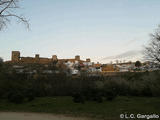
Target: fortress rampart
{"type": "Point", "coordinates": [16, 58]}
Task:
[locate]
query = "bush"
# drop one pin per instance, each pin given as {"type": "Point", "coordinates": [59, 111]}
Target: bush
{"type": "Point", "coordinates": [98, 98]}
{"type": "Point", "coordinates": [29, 94]}
{"type": "Point", "coordinates": [30, 97]}
{"type": "Point", "coordinates": [111, 90]}
{"type": "Point", "coordinates": [110, 95]}
{"type": "Point", "coordinates": [147, 91]}
{"type": "Point", "coordinates": [78, 98]}
{"type": "Point", "coordinates": [16, 97]}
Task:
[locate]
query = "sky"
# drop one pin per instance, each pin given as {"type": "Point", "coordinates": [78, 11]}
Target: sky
{"type": "Point", "coordinates": [90, 28]}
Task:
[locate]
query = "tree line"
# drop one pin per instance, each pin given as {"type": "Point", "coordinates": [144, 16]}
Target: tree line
{"type": "Point", "coordinates": [19, 87]}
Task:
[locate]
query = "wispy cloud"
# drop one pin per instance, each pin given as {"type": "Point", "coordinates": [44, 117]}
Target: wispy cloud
{"type": "Point", "coordinates": [129, 55]}
{"type": "Point", "coordinates": [131, 42]}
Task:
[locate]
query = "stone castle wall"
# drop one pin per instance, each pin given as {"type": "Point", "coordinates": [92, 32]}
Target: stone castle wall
{"type": "Point", "coordinates": [16, 58]}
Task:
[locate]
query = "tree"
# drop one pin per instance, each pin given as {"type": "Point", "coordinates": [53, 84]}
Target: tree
{"type": "Point", "coordinates": [138, 64]}
{"type": "Point", "coordinates": [7, 12]}
{"type": "Point", "coordinates": [1, 60]}
{"type": "Point", "coordinates": [1, 63]}
{"type": "Point", "coordinates": [152, 51]}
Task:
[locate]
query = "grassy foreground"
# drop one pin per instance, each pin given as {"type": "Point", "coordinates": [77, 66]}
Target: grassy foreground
{"type": "Point", "coordinates": [106, 110]}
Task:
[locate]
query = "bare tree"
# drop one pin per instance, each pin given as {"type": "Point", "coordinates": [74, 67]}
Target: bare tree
{"type": "Point", "coordinates": [7, 12]}
{"type": "Point", "coordinates": [1, 63]}
{"type": "Point", "coordinates": [152, 51]}
{"type": "Point", "coordinates": [1, 60]}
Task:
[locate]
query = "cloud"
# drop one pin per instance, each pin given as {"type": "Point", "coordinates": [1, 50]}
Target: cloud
{"type": "Point", "coordinates": [129, 55]}
{"type": "Point", "coordinates": [131, 42]}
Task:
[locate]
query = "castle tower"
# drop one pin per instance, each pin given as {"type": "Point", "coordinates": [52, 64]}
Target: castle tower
{"type": "Point", "coordinates": [77, 57]}
{"type": "Point", "coordinates": [36, 57]}
{"type": "Point", "coordinates": [15, 56]}
{"type": "Point", "coordinates": [88, 60]}
{"type": "Point", "coordinates": [54, 58]}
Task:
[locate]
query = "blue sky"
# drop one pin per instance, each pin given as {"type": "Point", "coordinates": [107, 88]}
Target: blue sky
{"type": "Point", "coordinates": [90, 28]}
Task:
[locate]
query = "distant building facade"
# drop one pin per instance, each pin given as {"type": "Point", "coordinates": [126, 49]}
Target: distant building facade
{"type": "Point", "coordinates": [76, 66]}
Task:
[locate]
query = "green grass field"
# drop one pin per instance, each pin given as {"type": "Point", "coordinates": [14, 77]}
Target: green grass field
{"type": "Point", "coordinates": [105, 110]}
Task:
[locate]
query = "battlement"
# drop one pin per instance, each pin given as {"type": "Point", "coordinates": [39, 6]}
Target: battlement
{"type": "Point", "coordinates": [77, 57]}
{"type": "Point", "coordinates": [16, 58]}
{"type": "Point", "coordinates": [88, 60]}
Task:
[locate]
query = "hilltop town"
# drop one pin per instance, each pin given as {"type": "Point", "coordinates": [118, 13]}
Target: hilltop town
{"type": "Point", "coordinates": [75, 66]}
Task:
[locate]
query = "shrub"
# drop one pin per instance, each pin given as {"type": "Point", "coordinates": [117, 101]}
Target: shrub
{"type": "Point", "coordinates": [16, 97]}
{"type": "Point", "coordinates": [29, 94]}
{"type": "Point", "coordinates": [78, 98]}
{"type": "Point", "coordinates": [110, 90]}
{"type": "Point", "coordinates": [30, 97]}
{"type": "Point", "coordinates": [110, 95]}
{"type": "Point", "coordinates": [147, 91]}
{"type": "Point", "coordinates": [98, 98]}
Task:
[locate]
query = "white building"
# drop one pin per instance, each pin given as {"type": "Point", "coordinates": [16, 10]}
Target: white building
{"type": "Point", "coordinates": [87, 63]}
{"type": "Point", "coordinates": [125, 67]}
{"type": "Point", "coordinates": [74, 71]}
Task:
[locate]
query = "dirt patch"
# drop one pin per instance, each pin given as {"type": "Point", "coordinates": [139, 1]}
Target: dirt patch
{"type": "Point", "coordinates": [35, 116]}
